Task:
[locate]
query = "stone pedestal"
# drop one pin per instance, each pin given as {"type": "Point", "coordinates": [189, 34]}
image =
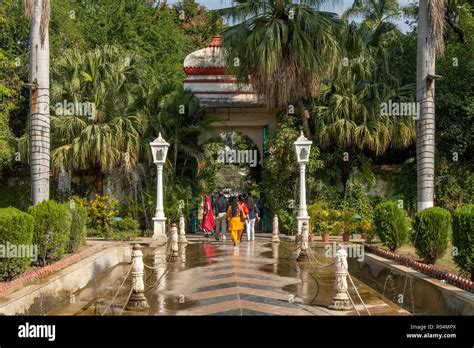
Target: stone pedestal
{"type": "Point", "coordinates": [303, 255]}
{"type": "Point", "coordinates": [174, 241]}
{"type": "Point", "coordinates": [159, 230]}
{"type": "Point", "coordinates": [341, 301]}
{"type": "Point", "coordinates": [182, 230]}
{"type": "Point", "coordinates": [302, 220]}
{"type": "Point", "coordinates": [275, 232]}
{"type": "Point", "coordinates": [137, 300]}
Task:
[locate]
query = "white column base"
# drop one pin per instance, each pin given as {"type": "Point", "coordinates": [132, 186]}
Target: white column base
{"type": "Point", "coordinates": [423, 205]}
{"type": "Point", "coordinates": [159, 230]}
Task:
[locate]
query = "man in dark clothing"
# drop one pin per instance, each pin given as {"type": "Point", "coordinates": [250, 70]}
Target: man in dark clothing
{"type": "Point", "coordinates": [221, 210]}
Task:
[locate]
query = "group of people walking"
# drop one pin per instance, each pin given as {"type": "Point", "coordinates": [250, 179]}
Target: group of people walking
{"type": "Point", "coordinates": [236, 214]}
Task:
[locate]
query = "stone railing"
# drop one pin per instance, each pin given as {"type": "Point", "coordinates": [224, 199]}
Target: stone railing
{"type": "Point", "coordinates": [460, 282]}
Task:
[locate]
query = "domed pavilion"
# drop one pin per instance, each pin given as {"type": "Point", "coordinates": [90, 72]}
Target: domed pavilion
{"type": "Point", "coordinates": [223, 96]}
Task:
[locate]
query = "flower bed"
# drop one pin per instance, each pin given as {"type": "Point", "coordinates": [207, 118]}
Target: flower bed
{"type": "Point", "coordinates": [460, 282]}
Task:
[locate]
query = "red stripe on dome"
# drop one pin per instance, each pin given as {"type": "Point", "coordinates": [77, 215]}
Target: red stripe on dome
{"type": "Point", "coordinates": [189, 70]}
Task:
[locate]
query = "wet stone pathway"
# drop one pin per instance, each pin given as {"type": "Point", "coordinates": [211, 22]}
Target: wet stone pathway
{"type": "Point", "coordinates": [257, 278]}
{"type": "Point", "coordinates": [214, 278]}
{"type": "Point", "coordinates": [233, 281]}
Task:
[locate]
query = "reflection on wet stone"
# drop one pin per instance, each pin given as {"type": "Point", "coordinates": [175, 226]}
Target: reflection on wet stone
{"type": "Point", "coordinates": [206, 278]}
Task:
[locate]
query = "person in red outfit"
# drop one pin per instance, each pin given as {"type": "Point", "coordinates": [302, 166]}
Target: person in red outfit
{"type": "Point", "coordinates": [208, 222]}
{"type": "Point", "coordinates": [245, 210]}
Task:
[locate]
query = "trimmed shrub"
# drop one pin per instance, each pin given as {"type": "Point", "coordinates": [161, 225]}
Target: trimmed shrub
{"type": "Point", "coordinates": [125, 235]}
{"type": "Point", "coordinates": [432, 230]}
{"type": "Point", "coordinates": [391, 224]}
{"type": "Point", "coordinates": [126, 229]}
{"type": "Point", "coordinates": [463, 238]}
{"type": "Point", "coordinates": [79, 219]}
{"type": "Point", "coordinates": [128, 224]}
{"type": "Point", "coordinates": [92, 232]}
{"type": "Point", "coordinates": [16, 228]}
{"type": "Point", "coordinates": [52, 230]}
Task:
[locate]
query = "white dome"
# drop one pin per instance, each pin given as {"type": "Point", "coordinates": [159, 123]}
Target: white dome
{"type": "Point", "coordinates": [207, 78]}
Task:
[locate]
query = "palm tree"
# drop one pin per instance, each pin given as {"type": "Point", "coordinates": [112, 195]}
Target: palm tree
{"type": "Point", "coordinates": [284, 48]}
{"type": "Point", "coordinates": [349, 119]}
{"type": "Point", "coordinates": [38, 11]}
{"type": "Point", "coordinates": [111, 133]}
{"type": "Point", "coordinates": [347, 116]}
{"type": "Point", "coordinates": [430, 43]}
{"type": "Point", "coordinates": [374, 12]}
{"type": "Point", "coordinates": [181, 120]}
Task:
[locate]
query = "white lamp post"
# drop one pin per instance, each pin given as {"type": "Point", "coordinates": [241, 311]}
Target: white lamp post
{"type": "Point", "coordinates": [303, 148]}
{"type": "Point", "coordinates": [159, 149]}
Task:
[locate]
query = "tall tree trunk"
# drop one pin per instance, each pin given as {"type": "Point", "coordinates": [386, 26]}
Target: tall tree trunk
{"type": "Point", "coordinates": [100, 182]}
{"type": "Point", "coordinates": [304, 119]}
{"type": "Point", "coordinates": [425, 137]}
{"type": "Point", "coordinates": [345, 174]}
{"type": "Point", "coordinates": [39, 102]}
{"type": "Point", "coordinates": [175, 154]}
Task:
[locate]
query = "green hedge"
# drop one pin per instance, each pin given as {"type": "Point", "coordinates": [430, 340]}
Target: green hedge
{"type": "Point", "coordinates": [79, 218]}
{"type": "Point", "coordinates": [463, 238]}
{"type": "Point", "coordinates": [128, 224]}
{"type": "Point", "coordinates": [391, 224]}
{"type": "Point", "coordinates": [52, 230]}
{"type": "Point", "coordinates": [432, 231]}
{"type": "Point", "coordinates": [16, 228]}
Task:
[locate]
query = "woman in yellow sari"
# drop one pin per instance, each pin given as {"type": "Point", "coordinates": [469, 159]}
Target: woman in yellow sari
{"type": "Point", "coordinates": [236, 222]}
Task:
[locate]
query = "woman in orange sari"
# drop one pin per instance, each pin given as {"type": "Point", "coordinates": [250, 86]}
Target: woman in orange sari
{"type": "Point", "coordinates": [236, 216]}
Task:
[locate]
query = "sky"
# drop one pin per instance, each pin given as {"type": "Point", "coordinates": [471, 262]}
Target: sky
{"type": "Point", "coordinates": [337, 6]}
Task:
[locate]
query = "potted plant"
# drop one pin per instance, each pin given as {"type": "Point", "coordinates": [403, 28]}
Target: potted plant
{"type": "Point", "coordinates": [348, 225]}
{"type": "Point", "coordinates": [325, 236]}
{"type": "Point", "coordinates": [319, 212]}
{"type": "Point", "coordinates": [337, 228]}
{"type": "Point", "coordinates": [325, 231]}
{"type": "Point", "coordinates": [346, 235]}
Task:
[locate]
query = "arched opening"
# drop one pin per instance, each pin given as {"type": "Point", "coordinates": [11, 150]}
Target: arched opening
{"type": "Point", "coordinates": [236, 162]}
{"type": "Point", "coordinates": [233, 164]}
